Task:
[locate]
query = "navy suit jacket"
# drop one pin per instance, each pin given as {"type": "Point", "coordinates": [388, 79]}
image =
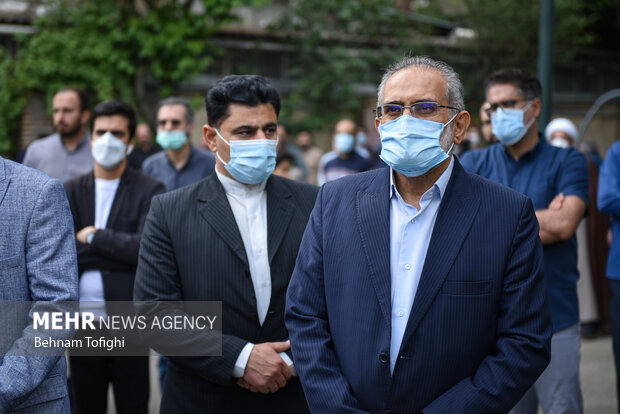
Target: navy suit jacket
{"type": "Point", "coordinates": [479, 331]}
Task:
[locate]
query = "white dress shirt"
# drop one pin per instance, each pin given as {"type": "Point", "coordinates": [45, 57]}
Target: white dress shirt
{"type": "Point", "coordinates": [410, 235]}
{"type": "Point", "coordinates": [249, 206]}
{"type": "Point", "coordinates": [91, 283]}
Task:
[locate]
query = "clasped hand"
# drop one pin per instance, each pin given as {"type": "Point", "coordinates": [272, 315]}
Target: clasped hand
{"type": "Point", "coordinates": [266, 371]}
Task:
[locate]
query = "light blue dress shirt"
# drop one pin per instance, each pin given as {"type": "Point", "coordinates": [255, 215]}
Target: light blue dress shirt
{"type": "Point", "coordinates": [410, 235]}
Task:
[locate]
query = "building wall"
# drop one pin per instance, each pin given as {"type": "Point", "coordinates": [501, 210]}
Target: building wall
{"type": "Point", "coordinates": [35, 122]}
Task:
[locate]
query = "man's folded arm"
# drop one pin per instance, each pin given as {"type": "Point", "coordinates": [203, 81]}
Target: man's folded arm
{"type": "Point", "coordinates": [523, 337]}
{"type": "Point", "coordinates": [326, 388]}
{"type": "Point", "coordinates": [120, 245]}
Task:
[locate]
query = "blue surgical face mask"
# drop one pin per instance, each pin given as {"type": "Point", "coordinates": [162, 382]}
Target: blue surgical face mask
{"type": "Point", "coordinates": [344, 142]}
{"type": "Point", "coordinates": [251, 161]}
{"type": "Point", "coordinates": [361, 139]}
{"type": "Point", "coordinates": [508, 124]}
{"type": "Point", "coordinates": [411, 145]}
{"type": "Point", "coordinates": [172, 140]}
{"type": "Point", "coordinates": [108, 151]}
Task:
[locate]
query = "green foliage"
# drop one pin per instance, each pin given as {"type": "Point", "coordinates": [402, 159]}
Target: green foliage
{"type": "Point", "coordinates": [111, 49]}
{"type": "Point", "coordinates": [338, 46]}
{"type": "Point", "coordinates": [507, 36]}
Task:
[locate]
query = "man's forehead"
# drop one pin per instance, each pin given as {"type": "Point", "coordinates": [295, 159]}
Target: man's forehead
{"type": "Point", "coordinates": [414, 84]}
{"type": "Point", "coordinates": [258, 115]}
{"type": "Point", "coordinates": [171, 111]}
{"type": "Point", "coordinates": [111, 122]}
{"type": "Point", "coordinates": [502, 91]}
{"type": "Point", "coordinates": [66, 99]}
{"type": "Point", "coordinates": [345, 125]}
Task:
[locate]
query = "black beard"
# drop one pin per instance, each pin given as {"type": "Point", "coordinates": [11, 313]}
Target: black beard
{"type": "Point", "coordinates": [71, 133]}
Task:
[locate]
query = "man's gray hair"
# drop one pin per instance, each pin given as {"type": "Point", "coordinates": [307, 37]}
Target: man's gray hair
{"type": "Point", "coordinates": [174, 100]}
{"type": "Point", "coordinates": [454, 87]}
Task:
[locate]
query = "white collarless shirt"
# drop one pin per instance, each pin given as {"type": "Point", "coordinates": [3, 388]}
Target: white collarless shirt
{"type": "Point", "coordinates": [91, 282]}
{"type": "Point", "coordinates": [249, 206]}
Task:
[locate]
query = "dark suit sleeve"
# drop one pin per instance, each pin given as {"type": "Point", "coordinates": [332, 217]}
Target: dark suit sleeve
{"type": "Point", "coordinates": [52, 276]}
{"type": "Point", "coordinates": [157, 279]}
{"type": "Point", "coordinates": [326, 388]}
{"type": "Point", "coordinates": [123, 246]}
{"type": "Point", "coordinates": [524, 332]}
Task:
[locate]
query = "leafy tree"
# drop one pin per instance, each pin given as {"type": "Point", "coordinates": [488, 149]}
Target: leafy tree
{"type": "Point", "coordinates": [340, 45]}
{"type": "Point", "coordinates": [114, 48]}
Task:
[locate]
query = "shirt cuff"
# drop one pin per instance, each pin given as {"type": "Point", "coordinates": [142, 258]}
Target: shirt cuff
{"type": "Point", "coordinates": [287, 360]}
{"type": "Point", "coordinates": [242, 360]}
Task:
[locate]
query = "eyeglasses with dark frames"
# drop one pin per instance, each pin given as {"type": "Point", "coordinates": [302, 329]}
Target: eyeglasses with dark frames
{"type": "Point", "coordinates": [424, 110]}
{"type": "Point", "coordinates": [506, 104]}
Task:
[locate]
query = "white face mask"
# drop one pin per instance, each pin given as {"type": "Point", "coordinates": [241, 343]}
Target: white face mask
{"type": "Point", "coordinates": [559, 142]}
{"type": "Point", "coordinates": [108, 151]}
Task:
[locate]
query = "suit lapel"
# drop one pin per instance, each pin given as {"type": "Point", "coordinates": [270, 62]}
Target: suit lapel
{"type": "Point", "coordinates": [4, 179]}
{"type": "Point", "coordinates": [215, 209]}
{"type": "Point", "coordinates": [279, 213]}
{"type": "Point", "coordinates": [373, 221]}
{"type": "Point", "coordinates": [456, 215]}
{"type": "Point", "coordinates": [119, 197]}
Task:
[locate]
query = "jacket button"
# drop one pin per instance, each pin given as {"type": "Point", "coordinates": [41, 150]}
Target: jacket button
{"type": "Point", "coordinates": [247, 273]}
{"type": "Point", "coordinates": [384, 358]}
{"type": "Point", "coordinates": [388, 411]}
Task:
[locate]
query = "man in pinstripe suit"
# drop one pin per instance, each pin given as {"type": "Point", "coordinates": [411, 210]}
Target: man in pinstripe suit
{"type": "Point", "coordinates": [232, 237]}
{"type": "Point", "coordinates": [419, 287]}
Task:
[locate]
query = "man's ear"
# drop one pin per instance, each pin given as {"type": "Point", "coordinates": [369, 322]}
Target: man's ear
{"type": "Point", "coordinates": [209, 135]}
{"type": "Point", "coordinates": [461, 123]}
{"type": "Point", "coordinates": [536, 107]}
{"type": "Point", "coordinates": [84, 117]}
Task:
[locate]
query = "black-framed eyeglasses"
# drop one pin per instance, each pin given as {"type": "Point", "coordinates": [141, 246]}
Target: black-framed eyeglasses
{"type": "Point", "coordinates": [507, 104]}
{"type": "Point", "coordinates": [418, 110]}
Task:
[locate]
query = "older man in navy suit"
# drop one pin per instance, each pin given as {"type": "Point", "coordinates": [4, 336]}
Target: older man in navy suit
{"type": "Point", "coordinates": [37, 264]}
{"type": "Point", "coordinates": [419, 287]}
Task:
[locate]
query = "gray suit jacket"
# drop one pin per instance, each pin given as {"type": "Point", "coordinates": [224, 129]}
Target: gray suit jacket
{"type": "Point", "coordinates": [37, 263]}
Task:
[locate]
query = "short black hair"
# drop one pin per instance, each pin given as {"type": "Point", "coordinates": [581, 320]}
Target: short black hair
{"type": "Point", "coordinates": [175, 100]}
{"type": "Point", "coordinates": [285, 156]}
{"type": "Point", "coordinates": [251, 90]}
{"type": "Point", "coordinates": [114, 107]}
{"type": "Point", "coordinates": [82, 95]}
{"type": "Point", "coordinates": [527, 84]}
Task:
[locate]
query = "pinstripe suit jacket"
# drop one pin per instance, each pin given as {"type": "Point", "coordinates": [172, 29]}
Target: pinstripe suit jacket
{"type": "Point", "coordinates": [37, 263]}
{"type": "Point", "coordinates": [479, 331]}
{"type": "Point", "coordinates": [191, 250]}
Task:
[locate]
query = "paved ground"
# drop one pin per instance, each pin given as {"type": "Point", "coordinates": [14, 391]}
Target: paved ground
{"type": "Point", "coordinates": [597, 379]}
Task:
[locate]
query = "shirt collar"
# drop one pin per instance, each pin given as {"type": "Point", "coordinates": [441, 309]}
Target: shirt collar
{"type": "Point", "coordinates": [84, 141]}
{"type": "Point", "coordinates": [440, 184]}
{"type": "Point", "coordinates": [234, 187]}
{"type": "Point", "coordinates": [532, 152]}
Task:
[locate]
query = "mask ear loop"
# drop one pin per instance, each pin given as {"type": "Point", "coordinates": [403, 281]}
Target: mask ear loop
{"type": "Point", "coordinates": [217, 154]}
{"type": "Point", "coordinates": [444, 128]}
{"type": "Point", "coordinates": [525, 108]}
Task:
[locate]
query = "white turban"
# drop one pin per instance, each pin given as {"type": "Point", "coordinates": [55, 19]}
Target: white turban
{"type": "Point", "coordinates": [562, 124]}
